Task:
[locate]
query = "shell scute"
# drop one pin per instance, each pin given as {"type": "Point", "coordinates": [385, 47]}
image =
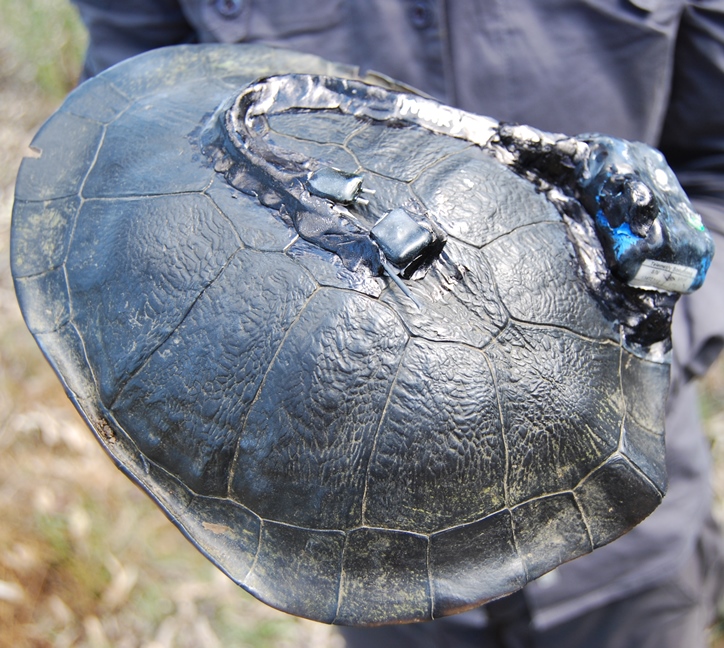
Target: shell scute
{"type": "Point", "coordinates": [549, 452]}
{"type": "Point", "coordinates": [474, 560]}
{"type": "Point", "coordinates": [478, 200]}
{"type": "Point", "coordinates": [151, 134]}
{"type": "Point", "coordinates": [378, 148]}
{"type": "Point", "coordinates": [459, 302]}
{"type": "Point", "coordinates": [365, 570]}
{"type": "Point", "coordinates": [42, 234]}
{"type": "Point", "coordinates": [324, 129]}
{"type": "Point", "coordinates": [322, 396]}
{"type": "Point", "coordinates": [191, 423]}
{"type": "Point", "coordinates": [449, 467]}
{"type": "Point", "coordinates": [63, 163]}
{"type": "Point", "coordinates": [98, 102]}
{"type": "Point", "coordinates": [255, 225]}
{"type": "Point", "coordinates": [48, 293]}
{"type": "Point", "coordinates": [538, 281]}
{"type": "Point", "coordinates": [555, 523]}
{"type": "Point", "coordinates": [609, 490]}
{"type": "Point", "coordinates": [298, 569]}
{"type": "Point", "coordinates": [149, 258]}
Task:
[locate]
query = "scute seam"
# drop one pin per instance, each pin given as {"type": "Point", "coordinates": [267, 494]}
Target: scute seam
{"type": "Point", "coordinates": [122, 386]}
{"type": "Point", "coordinates": [262, 382]}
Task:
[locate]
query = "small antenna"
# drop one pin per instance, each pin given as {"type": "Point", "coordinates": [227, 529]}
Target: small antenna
{"type": "Point", "coordinates": [393, 275]}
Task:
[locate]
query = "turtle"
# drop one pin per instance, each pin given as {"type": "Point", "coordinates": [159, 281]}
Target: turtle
{"type": "Point", "coordinates": [379, 359]}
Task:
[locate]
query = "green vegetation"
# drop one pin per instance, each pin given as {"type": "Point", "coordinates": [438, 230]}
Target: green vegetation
{"type": "Point", "coordinates": [42, 42]}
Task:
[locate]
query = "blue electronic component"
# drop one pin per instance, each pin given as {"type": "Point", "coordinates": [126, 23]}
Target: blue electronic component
{"type": "Point", "coordinates": [651, 235]}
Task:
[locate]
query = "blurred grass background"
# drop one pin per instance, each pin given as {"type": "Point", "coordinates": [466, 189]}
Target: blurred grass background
{"type": "Point", "coordinates": [85, 558]}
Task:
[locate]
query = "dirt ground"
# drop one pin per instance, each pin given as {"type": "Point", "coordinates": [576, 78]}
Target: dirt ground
{"type": "Point", "coordinates": [85, 558]}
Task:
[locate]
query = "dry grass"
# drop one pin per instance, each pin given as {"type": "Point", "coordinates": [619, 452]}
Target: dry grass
{"type": "Point", "coordinates": [712, 401]}
{"type": "Point", "coordinates": [85, 558]}
{"type": "Point", "coordinates": [713, 410]}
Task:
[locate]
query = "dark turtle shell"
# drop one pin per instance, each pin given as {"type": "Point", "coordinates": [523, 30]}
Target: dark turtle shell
{"type": "Point", "coordinates": [357, 426]}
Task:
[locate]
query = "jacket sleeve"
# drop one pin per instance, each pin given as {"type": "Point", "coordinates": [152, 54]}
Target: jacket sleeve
{"type": "Point", "coordinates": [693, 142]}
{"type": "Point", "coordinates": [119, 30]}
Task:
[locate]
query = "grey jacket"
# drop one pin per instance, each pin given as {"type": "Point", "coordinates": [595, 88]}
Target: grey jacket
{"type": "Point", "coordinates": [649, 70]}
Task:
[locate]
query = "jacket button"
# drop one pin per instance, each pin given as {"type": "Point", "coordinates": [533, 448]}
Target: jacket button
{"type": "Point", "coordinates": [228, 8]}
{"type": "Point", "coordinates": [421, 14]}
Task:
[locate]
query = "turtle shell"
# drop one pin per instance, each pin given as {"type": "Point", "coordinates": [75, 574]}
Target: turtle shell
{"type": "Point", "coordinates": [347, 445]}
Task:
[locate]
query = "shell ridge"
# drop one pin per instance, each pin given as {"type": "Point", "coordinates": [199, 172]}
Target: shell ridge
{"type": "Point", "coordinates": [144, 196]}
{"type": "Point", "coordinates": [562, 329]}
{"type": "Point", "coordinates": [24, 289]}
{"type": "Point", "coordinates": [620, 452]}
{"type": "Point", "coordinates": [342, 578]}
{"type": "Point", "coordinates": [308, 272]}
{"type": "Point", "coordinates": [71, 322]}
{"type": "Point", "coordinates": [91, 166]}
{"type": "Point", "coordinates": [256, 554]}
{"type": "Point", "coordinates": [440, 160]}
{"type": "Point", "coordinates": [262, 382]}
{"type": "Point", "coordinates": [362, 127]}
{"type": "Point", "coordinates": [612, 497]}
{"type": "Point", "coordinates": [467, 345]}
{"type": "Point", "coordinates": [69, 245]}
{"type": "Point", "coordinates": [643, 474]}
{"type": "Point", "coordinates": [430, 580]}
{"type": "Point", "coordinates": [616, 455]}
{"type": "Point", "coordinates": [579, 508]}
{"type": "Point", "coordinates": [506, 476]}
{"type": "Point", "coordinates": [45, 200]}
{"type": "Point", "coordinates": [383, 413]}
{"type": "Point", "coordinates": [632, 417]}
{"type": "Point", "coordinates": [512, 230]}
{"type": "Point", "coordinates": [74, 224]}
{"type": "Point", "coordinates": [469, 305]}
{"type": "Point", "coordinates": [353, 155]}
{"type": "Point", "coordinates": [119, 90]}
{"type": "Point", "coordinates": [84, 115]}
{"type": "Point", "coordinates": [141, 365]}
{"type": "Point", "coordinates": [74, 396]}
{"type": "Point", "coordinates": [622, 427]}
{"type": "Point", "coordinates": [239, 240]}
{"type": "Point", "coordinates": [516, 548]}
